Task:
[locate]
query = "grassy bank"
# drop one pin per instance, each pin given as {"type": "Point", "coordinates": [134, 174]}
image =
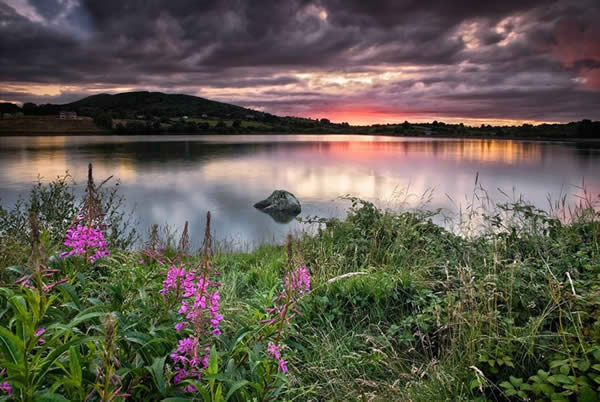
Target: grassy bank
{"type": "Point", "coordinates": [398, 309]}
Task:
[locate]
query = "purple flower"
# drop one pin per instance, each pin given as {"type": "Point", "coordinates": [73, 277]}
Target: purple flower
{"type": "Point", "coordinates": [282, 366]}
{"type": "Point", "coordinates": [39, 333]}
{"type": "Point", "coordinates": [273, 351]}
{"type": "Point", "coordinates": [85, 240]}
{"type": "Point", "coordinates": [6, 388]}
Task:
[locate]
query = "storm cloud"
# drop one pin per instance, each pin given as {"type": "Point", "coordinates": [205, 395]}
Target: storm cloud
{"type": "Point", "coordinates": [350, 60]}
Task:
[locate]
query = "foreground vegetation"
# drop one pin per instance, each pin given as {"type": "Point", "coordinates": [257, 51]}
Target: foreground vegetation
{"type": "Point", "coordinates": [389, 307]}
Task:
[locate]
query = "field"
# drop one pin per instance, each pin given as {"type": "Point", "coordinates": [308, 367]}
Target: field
{"type": "Point", "coordinates": [384, 305]}
{"type": "Point", "coordinates": [48, 125]}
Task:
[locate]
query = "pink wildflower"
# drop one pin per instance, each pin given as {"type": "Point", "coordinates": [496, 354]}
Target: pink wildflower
{"type": "Point", "coordinates": [84, 240]}
{"type": "Point", "coordinates": [273, 350]}
{"type": "Point", "coordinates": [6, 388]}
{"type": "Point", "coordinates": [294, 287]}
{"type": "Point", "coordinates": [39, 333]}
{"type": "Point", "coordinates": [188, 361]}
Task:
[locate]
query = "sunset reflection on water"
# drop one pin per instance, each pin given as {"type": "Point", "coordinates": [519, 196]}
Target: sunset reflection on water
{"type": "Point", "coordinates": [173, 179]}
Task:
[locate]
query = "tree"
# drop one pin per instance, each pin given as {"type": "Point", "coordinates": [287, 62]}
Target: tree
{"type": "Point", "coordinates": [103, 120]}
{"type": "Point", "coordinates": [237, 123]}
{"type": "Point", "coordinates": [29, 108]}
{"type": "Point", "coordinates": [325, 121]}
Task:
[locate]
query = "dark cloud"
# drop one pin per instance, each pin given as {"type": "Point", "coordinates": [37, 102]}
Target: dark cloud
{"type": "Point", "coordinates": [534, 59]}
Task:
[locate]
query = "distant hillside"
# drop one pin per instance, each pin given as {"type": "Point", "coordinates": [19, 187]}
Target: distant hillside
{"type": "Point", "coordinates": [9, 108]}
{"type": "Point", "coordinates": [155, 104]}
{"type": "Point", "coordinates": [143, 113]}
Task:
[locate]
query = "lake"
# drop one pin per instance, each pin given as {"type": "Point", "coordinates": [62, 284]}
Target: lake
{"type": "Point", "coordinates": [171, 179]}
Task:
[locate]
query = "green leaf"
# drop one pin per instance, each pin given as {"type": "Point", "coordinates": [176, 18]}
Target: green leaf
{"type": "Point", "coordinates": [506, 385]}
{"type": "Point", "coordinates": [213, 362]}
{"type": "Point", "coordinates": [11, 346]}
{"type": "Point", "coordinates": [56, 354]}
{"type": "Point", "coordinates": [19, 307]}
{"type": "Point", "coordinates": [15, 268]}
{"type": "Point", "coordinates": [516, 381]}
{"type": "Point", "coordinates": [583, 365]}
{"type": "Point", "coordinates": [219, 393]}
{"type": "Point", "coordinates": [559, 379]}
{"type": "Point", "coordinates": [157, 370]}
{"type": "Point", "coordinates": [564, 369]}
{"type": "Point", "coordinates": [49, 397]}
{"type": "Point", "coordinates": [235, 387]}
{"type": "Point", "coordinates": [75, 365]}
{"type": "Point", "coordinates": [69, 290]}
{"type": "Point", "coordinates": [586, 394]}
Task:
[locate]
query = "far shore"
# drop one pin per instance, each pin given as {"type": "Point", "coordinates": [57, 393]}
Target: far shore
{"type": "Point", "coordinates": [33, 126]}
{"type": "Point", "coordinates": [107, 133]}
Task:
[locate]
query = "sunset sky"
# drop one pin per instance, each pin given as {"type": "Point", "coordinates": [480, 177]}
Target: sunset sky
{"type": "Point", "coordinates": [504, 62]}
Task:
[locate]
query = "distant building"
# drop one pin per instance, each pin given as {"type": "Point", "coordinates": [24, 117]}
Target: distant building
{"type": "Point", "coordinates": [67, 115]}
{"type": "Point", "coordinates": [184, 117]}
{"type": "Point", "coordinates": [249, 116]}
{"type": "Point", "coordinates": [204, 116]}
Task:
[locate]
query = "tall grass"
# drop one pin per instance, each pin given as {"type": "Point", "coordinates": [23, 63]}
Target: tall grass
{"type": "Point", "coordinates": [502, 304]}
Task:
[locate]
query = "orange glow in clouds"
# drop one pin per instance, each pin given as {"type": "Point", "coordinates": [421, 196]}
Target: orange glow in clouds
{"type": "Point", "coordinates": [367, 115]}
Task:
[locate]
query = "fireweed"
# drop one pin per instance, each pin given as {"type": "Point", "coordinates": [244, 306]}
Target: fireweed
{"type": "Point", "coordinates": [85, 240]}
{"type": "Point", "coordinates": [295, 285]}
{"type": "Point", "coordinates": [5, 386]}
{"type": "Point", "coordinates": [198, 298]}
{"type": "Point", "coordinates": [86, 236]}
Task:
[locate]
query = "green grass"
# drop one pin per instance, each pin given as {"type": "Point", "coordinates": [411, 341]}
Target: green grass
{"type": "Point", "coordinates": [399, 309]}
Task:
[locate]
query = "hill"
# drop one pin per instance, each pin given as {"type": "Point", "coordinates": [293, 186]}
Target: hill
{"type": "Point", "coordinates": [6, 107]}
{"type": "Point", "coordinates": [155, 104]}
{"type": "Point", "coordinates": [158, 113]}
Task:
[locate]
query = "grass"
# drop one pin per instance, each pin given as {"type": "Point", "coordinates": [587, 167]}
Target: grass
{"type": "Point", "coordinates": [399, 308]}
{"type": "Point", "coordinates": [48, 124]}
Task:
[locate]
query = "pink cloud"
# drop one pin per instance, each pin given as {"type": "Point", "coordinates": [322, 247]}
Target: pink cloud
{"type": "Point", "coordinates": [577, 45]}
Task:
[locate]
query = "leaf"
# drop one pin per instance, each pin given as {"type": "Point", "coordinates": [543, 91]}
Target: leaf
{"type": "Point", "coordinates": [49, 397]}
{"type": "Point", "coordinates": [564, 369]}
{"type": "Point", "coordinates": [75, 365]}
{"type": "Point", "coordinates": [69, 290]}
{"type": "Point", "coordinates": [19, 307]}
{"type": "Point", "coordinates": [11, 346]}
{"type": "Point", "coordinates": [56, 354]}
{"type": "Point", "coordinates": [559, 379]}
{"type": "Point", "coordinates": [157, 370]}
{"type": "Point", "coordinates": [235, 387]}
{"type": "Point", "coordinates": [583, 365]}
{"type": "Point", "coordinates": [516, 381]}
{"type": "Point", "coordinates": [213, 362]}
{"type": "Point", "coordinates": [15, 268]}
{"type": "Point", "coordinates": [219, 393]}
{"type": "Point", "coordinates": [586, 394]}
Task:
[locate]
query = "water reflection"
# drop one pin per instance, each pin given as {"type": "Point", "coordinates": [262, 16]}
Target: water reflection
{"type": "Point", "coordinates": [173, 179]}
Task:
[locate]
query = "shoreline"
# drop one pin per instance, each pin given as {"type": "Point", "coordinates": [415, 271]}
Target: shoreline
{"type": "Point", "coordinates": [105, 133]}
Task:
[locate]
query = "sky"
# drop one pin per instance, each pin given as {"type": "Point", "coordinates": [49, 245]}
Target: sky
{"type": "Point", "coordinates": [363, 62]}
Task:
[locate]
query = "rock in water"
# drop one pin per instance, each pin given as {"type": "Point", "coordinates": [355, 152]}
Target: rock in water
{"type": "Point", "coordinates": [280, 202]}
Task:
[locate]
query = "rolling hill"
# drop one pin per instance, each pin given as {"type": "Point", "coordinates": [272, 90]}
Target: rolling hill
{"type": "Point", "coordinates": [155, 104]}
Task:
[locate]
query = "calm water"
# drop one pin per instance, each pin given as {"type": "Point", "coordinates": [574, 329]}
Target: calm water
{"type": "Point", "coordinates": [178, 178]}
